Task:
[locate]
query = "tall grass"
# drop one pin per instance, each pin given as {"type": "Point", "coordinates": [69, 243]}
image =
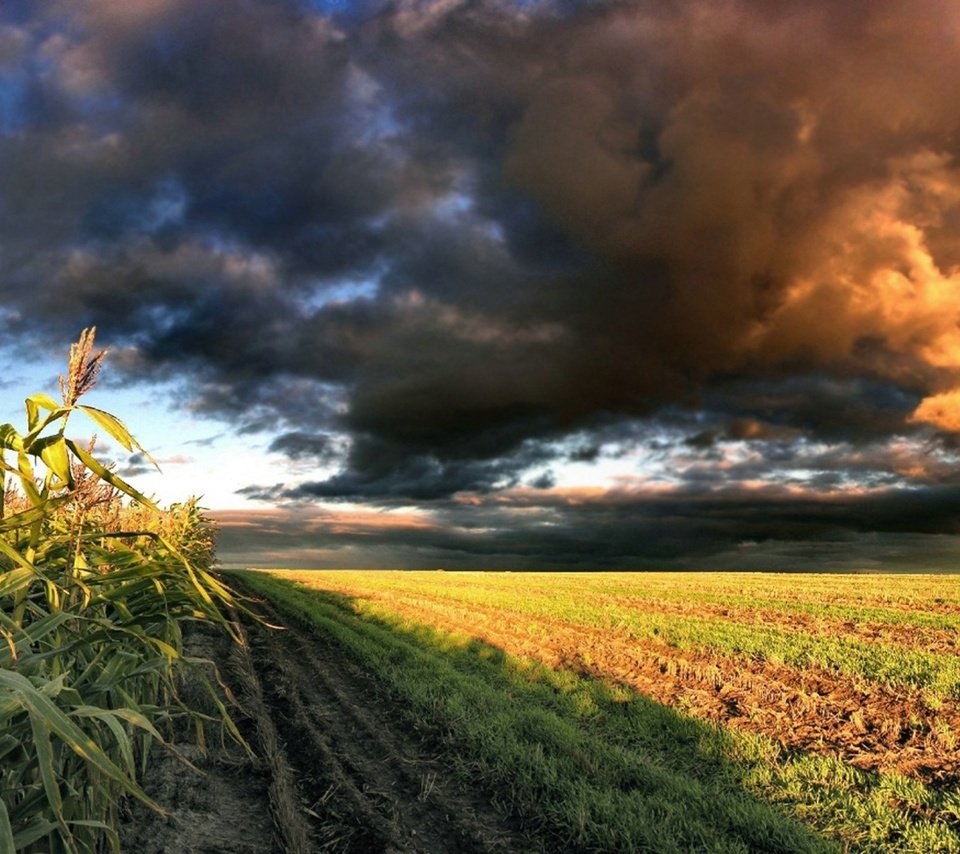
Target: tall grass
{"type": "Point", "coordinates": [95, 585]}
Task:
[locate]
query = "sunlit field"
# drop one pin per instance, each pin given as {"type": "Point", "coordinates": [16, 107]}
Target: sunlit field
{"type": "Point", "coordinates": [663, 711]}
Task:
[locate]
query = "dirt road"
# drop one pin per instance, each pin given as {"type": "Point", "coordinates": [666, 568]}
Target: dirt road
{"type": "Point", "coordinates": [337, 768]}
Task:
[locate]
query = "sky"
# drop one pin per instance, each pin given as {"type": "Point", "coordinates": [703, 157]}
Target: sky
{"type": "Point", "coordinates": [490, 284]}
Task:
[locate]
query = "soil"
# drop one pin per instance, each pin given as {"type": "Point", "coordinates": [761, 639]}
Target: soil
{"type": "Point", "coordinates": [334, 767]}
{"type": "Point", "coordinates": [871, 726]}
{"type": "Point", "coordinates": [218, 804]}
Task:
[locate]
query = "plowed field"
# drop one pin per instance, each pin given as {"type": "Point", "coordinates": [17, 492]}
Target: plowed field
{"type": "Point", "coordinates": [334, 766]}
{"type": "Point", "coordinates": [625, 711]}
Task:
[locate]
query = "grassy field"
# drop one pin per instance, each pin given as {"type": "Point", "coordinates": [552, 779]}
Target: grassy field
{"type": "Point", "coordinates": [672, 712]}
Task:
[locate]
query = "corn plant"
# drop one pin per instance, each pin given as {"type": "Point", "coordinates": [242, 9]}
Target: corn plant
{"type": "Point", "coordinates": [91, 616]}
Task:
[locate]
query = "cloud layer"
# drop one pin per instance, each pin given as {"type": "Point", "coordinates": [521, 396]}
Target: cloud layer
{"type": "Point", "coordinates": [451, 252]}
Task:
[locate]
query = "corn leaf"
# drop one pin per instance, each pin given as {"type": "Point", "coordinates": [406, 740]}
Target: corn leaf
{"type": "Point", "coordinates": [15, 556]}
{"type": "Point", "coordinates": [41, 743]}
{"type": "Point", "coordinates": [37, 829]}
{"type": "Point", "coordinates": [53, 452]}
{"type": "Point", "coordinates": [119, 734]}
{"type": "Point", "coordinates": [42, 425]}
{"type": "Point", "coordinates": [27, 482]}
{"type": "Point", "coordinates": [75, 738]}
{"type": "Point", "coordinates": [34, 404]}
{"type": "Point", "coordinates": [116, 428]}
{"type": "Point", "coordinates": [7, 842]}
{"type": "Point", "coordinates": [104, 473]}
{"type": "Point", "coordinates": [10, 438]}
{"type": "Point", "coordinates": [7, 744]}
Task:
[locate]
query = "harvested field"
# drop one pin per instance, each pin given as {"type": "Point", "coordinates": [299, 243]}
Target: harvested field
{"type": "Point", "coordinates": [843, 715]}
{"type": "Point", "coordinates": [583, 599]}
{"type": "Point", "coordinates": [871, 726]}
{"type": "Point", "coordinates": [498, 712]}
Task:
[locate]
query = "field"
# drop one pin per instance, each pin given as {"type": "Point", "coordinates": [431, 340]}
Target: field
{"type": "Point", "coordinates": [649, 711]}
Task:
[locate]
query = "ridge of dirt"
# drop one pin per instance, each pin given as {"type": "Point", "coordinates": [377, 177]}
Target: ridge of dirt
{"type": "Point", "coordinates": [336, 768]}
{"type": "Point", "coordinates": [368, 783]}
{"type": "Point", "coordinates": [220, 805]}
{"type": "Point", "coordinates": [290, 821]}
{"type": "Point", "coordinates": [913, 636]}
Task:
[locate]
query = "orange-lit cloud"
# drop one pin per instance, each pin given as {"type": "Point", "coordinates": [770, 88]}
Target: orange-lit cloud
{"type": "Point", "coordinates": [941, 411]}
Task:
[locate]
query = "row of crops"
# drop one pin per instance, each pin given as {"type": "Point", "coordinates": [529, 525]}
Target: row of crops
{"type": "Point", "coordinates": [625, 712]}
{"type": "Point", "coordinates": [645, 608]}
{"type": "Point", "coordinates": [96, 584]}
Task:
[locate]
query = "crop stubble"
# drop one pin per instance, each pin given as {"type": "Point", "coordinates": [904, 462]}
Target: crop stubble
{"type": "Point", "coordinates": [872, 726]}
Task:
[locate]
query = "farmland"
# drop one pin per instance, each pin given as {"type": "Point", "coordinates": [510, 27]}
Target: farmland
{"type": "Point", "coordinates": [148, 703]}
{"type": "Point", "coordinates": [657, 711]}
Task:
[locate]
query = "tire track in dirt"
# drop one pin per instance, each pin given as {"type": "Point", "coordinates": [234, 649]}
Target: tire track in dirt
{"type": "Point", "coordinates": [219, 805]}
{"type": "Point", "coordinates": [365, 781]}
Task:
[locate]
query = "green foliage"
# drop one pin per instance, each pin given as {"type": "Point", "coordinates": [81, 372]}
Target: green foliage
{"type": "Point", "coordinates": [95, 584]}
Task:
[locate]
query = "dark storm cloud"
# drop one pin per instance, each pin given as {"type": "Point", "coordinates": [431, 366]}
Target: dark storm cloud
{"type": "Point", "coordinates": [386, 474]}
{"type": "Point", "coordinates": [772, 531]}
{"type": "Point", "coordinates": [835, 408]}
{"type": "Point", "coordinates": [299, 446]}
{"type": "Point", "coordinates": [631, 529]}
{"type": "Point", "coordinates": [471, 240]}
